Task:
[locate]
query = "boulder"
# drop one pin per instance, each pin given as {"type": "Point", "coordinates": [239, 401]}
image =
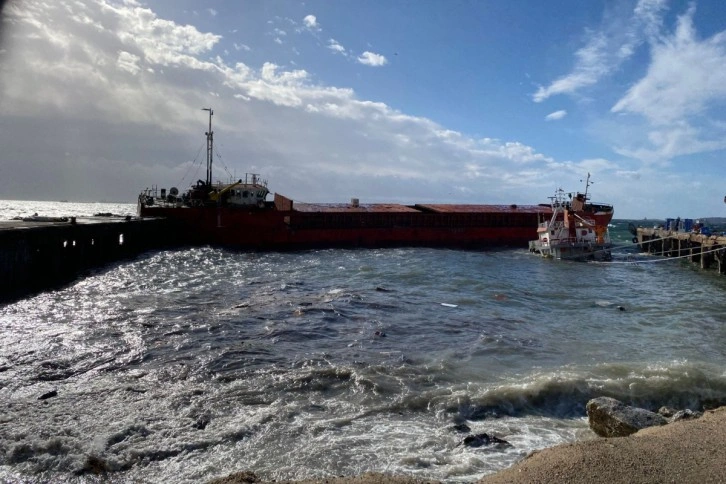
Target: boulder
{"type": "Point", "coordinates": [686, 414]}
{"type": "Point", "coordinates": [611, 418]}
{"type": "Point", "coordinates": [485, 439]}
{"type": "Point", "coordinates": [674, 415]}
{"type": "Point", "coordinates": [667, 412]}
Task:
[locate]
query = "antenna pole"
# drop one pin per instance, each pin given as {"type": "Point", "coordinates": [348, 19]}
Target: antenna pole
{"type": "Point", "coordinates": [587, 185]}
{"type": "Point", "coordinates": [210, 144]}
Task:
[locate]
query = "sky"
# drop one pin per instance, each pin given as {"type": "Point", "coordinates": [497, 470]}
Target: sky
{"type": "Point", "coordinates": [406, 101]}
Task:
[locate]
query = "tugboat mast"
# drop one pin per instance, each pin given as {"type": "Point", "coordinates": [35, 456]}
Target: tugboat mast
{"type": "Point", "coordinates": [587, 183]}
{"type": "Point", "coordinates": [210, 143]}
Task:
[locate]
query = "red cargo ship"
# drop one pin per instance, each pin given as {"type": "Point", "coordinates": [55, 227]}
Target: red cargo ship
{"type": "Point", "coordinates": [239, 215]}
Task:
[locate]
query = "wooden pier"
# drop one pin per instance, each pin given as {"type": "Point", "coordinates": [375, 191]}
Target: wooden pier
{"type": "Point", "coordinates": [37, 255]}
{"type": "Point", "coordinates": [709, 251]}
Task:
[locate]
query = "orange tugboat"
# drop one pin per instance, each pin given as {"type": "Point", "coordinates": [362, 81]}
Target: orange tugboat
{"type": "Point", "coordinates": [239, 215]}
{"type": "Point", "coordinates": [576, 230]}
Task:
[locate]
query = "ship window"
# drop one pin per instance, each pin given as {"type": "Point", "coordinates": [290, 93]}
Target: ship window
{"type": "Point", "coordinates": [244, 193]}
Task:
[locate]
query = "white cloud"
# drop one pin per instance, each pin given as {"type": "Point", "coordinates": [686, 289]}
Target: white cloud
{"type": "Point", "coordinates": [606, 49]}
{"type": "Point", "coordinates": [335, 46]}
{"type": "Point", "coordinates": [670, 112]}
{"type": "Point", "coordinates": [556, 115]}
{"type": "Point", "coordinates": [128, 62]}
{"type": "Point", "coordinates": [241, 47]}
{"type": "Point", "coordinates": [212, 12]}
{"type": "Point", "coordinates": [631, 175]}
{"type": "Point", "coordinates": [161, 41]}
{"type": "Point", "coordinates": [589, 67]}
{"type": "Point", "coordinates": [596, 164]}
{"type": "Point", "coordinates": [311, 22]}
{"type": "Point", "coordinates": [684, 87]}
{"type": "Point", "coordinates": [685, 77]}
{"type": "Point", "coordinates": [372, 59]}
{"type": "Point", "coordinates": [665, 143]}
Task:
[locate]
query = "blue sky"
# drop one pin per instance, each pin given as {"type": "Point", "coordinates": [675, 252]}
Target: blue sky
{"type": "Point", "coordinates": [407, 101]}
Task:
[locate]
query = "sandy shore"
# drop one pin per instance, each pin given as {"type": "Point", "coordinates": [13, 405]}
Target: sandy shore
{"type": "Point", "coordinates": [689, 451]}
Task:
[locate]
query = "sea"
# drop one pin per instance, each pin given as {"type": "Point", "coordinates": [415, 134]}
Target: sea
{"type": "Point", "coordinates": [190, 364]}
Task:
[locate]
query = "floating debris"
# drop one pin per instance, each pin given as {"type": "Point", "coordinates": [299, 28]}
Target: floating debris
{"type": "Point", "coordinates": [48, 395]}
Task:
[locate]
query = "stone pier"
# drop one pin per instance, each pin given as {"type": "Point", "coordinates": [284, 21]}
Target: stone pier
{"type": "Point", "coordinates": [37, 255]}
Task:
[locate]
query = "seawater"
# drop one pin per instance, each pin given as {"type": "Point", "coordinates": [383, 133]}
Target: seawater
{"type": "Point", "coordinates": [190, 364]}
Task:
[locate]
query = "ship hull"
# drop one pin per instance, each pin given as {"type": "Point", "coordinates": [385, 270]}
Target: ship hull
{"type": "Point", "coordinates": [271, 229]}
{"type": "Point", "coordinates": [572, 251]}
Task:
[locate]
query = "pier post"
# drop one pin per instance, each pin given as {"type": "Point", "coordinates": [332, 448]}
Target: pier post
{"type": "Point", "coordinates": [679, 247]}
{"type": "Point", "coordinates": [706, 258]}
{"type": "Point", "coordinates": [719, 256]}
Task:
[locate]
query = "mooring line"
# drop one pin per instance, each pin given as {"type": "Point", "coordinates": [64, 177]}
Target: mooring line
{"type": "Point", "coordinates": [663, 258]}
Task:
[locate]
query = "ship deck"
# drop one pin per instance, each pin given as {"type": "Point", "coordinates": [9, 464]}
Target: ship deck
{"type": "Point", "coordinates": [418, 208]}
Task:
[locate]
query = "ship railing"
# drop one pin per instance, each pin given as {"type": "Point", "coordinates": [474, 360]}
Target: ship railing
{"type": "Point", "coordinates": [249, 179]}
{"type": "Point", "coordinates": [551, 225]}
{"type": "Point", "coordinates": [152, 197]}
{"type": "Point", "coordinates": [569, 241]}
{"type": "Point", "coordinates": [166, 202]}
{"type": "Point", "coordinates": [150, 192]}
{"type": "Point", "coordinates": [254, 179]}
{"type": "Point", "coordinates": [601, 204]}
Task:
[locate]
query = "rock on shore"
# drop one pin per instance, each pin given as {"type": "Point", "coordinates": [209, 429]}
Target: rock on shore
{"type": "Point", "coordinates": [612, 418]}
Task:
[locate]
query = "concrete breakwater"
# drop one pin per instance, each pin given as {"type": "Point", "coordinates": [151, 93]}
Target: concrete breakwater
{"type": "Point", "coordinates": [40, 254]}
{"type": "Point", "coordinates": [709, 251]}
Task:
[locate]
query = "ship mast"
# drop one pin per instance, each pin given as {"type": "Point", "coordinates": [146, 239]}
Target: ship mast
{"type": "Point", "coordinates": [210, 143]}
{"type": "Point", "coordinates": [587, 184]}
